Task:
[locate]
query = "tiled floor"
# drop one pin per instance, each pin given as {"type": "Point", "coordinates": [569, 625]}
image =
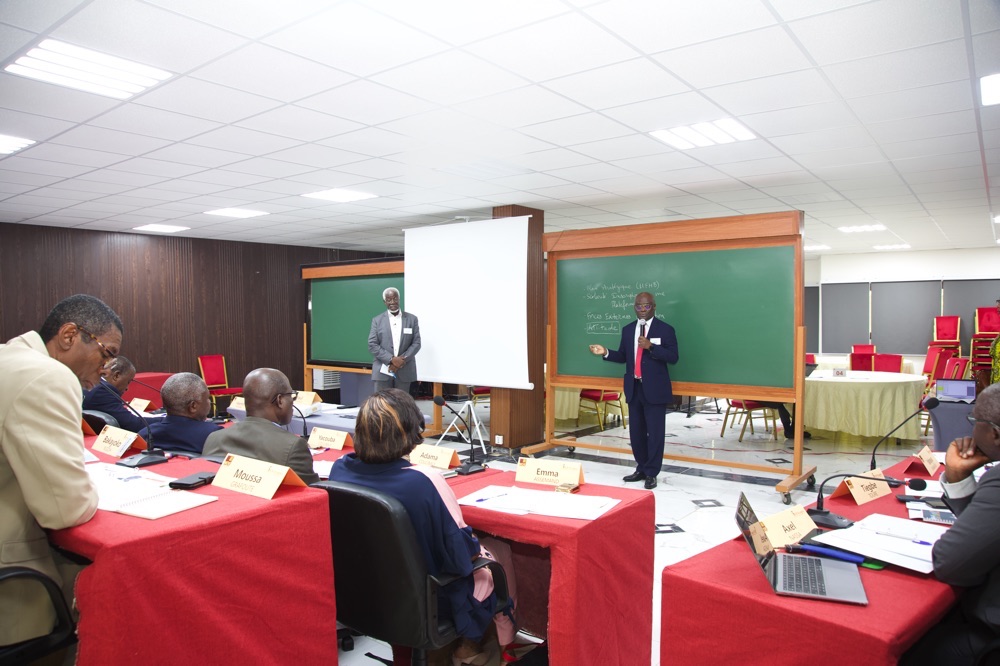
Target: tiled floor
{"type": "Point", "coordinates": [695, 502]}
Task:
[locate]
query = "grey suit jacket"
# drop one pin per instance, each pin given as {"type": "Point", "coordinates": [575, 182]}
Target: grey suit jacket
{"type": "Point", "coordinates": [258, 438]}
{"type": "Point", "coordinates": [968, 555]}
{"type": "Point", "coordinates": [43, 483]}
{"type": "Point", "coordinates": [380, 345]}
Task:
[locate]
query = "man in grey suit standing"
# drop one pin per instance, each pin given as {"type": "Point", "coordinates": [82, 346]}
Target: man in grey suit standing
{"type": "Point", "coordinates": [394, 341]}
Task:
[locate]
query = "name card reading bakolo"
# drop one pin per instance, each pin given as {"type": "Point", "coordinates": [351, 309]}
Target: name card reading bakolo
{"type": "Point", "coordinates": [548, 472]}
{"type": "Point", "coordinates": [788, 526]}
{"type": "Point", "coordinates": [237, 403]}
{"type": "Point", "coordinates": [254, 477]}
{"type": "Point", "coordinates": [115, 441]}
{"type": "Point", "coordinates": [326, 438]}
{"type": "Point", "coordinates": [138, 404]}
{"type": "Point", "coordinates": [864, 490]}
{"type": "Point", "coordinates": [440, 457]}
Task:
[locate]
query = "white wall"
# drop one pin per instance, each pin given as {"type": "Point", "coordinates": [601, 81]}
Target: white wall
{"type": "Point", "coordinates": [974, 264]}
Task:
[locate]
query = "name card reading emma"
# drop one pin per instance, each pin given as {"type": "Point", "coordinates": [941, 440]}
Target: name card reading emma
{"type": "Point", "coordinates": [254, 477]}
{"type": "Point", "coordinates": [864, 490]}
{"type": "Point", "coordinates": [325, 438]}
{"type": "Point", "coordinates": [440, 457]}
{"type": "Point", "coordinates": [138, 404]}
{"type": "Point", "coordinates": [548, 472]}
{"type": "Point", "coordinates": [115, 441]}
{"type": "Point", "coordinates": [788, 526]}
{"type": "Point", "coordinates": [237, 403]}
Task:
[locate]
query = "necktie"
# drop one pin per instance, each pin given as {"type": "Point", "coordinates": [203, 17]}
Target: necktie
{"type": "Point", "coordinates": [638, 351]}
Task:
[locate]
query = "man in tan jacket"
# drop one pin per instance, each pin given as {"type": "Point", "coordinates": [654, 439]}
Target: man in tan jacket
{"type": "Point", "coordinates": [43, 483]}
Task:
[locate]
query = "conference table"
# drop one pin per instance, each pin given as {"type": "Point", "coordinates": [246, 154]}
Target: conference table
{"type": "Point", "coordinates": [242, 579]}
{"type": "Point", "coordinates": [867, 404]}
{"type": "Point", "coordinates": [725, 586]}
{"type": "Point", "coordinates": [327, 416]}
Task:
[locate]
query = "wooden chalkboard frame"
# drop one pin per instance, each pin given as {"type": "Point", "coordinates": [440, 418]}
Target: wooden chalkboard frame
{"type": "Point", "coordinates": [738, 232]}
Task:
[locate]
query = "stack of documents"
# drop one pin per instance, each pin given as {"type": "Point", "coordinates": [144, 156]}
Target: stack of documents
{"type": "Point", "coordinates": [905, 543]}
{"type": "Point", "coordinates": [140, 493]}
{"type": "Point", "coordinates": [520, 501]}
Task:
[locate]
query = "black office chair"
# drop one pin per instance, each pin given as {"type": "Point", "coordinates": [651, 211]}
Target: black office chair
{"type": "Point", "coordinates": [97, 420]}
{"type": "Point", "coordinates": [382, 584]}
{"type": "Point", "coordinates": [64, 633]}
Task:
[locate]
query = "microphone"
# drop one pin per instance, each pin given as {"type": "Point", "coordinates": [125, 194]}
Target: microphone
{"type": "Point", "coordinates": [823, 518]}
{"type": "Point", "coordinates": [469, 466]}
{"type": "Point", "coordinates": [305, 432]}
{"type": "Point", "coordinates": [929, 403]}
{"type": "Point", "coordinates": [151, 456]}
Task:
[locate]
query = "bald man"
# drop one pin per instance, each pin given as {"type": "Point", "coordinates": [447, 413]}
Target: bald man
{"type": "Point", "coordinates": [268, 396]}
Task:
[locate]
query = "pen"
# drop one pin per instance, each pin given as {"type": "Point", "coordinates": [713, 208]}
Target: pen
{"type": "Point", "coordinates": [908, 538]}
{"type": "Point", "coordinates": [484, 499]}
{"type": "Point", "coordinates": [826, 552]}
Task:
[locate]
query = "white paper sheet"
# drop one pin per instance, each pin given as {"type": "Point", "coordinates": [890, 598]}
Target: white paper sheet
{"type": "Point", "coordinates": [890, 539]}
{"type": "Point", "coordinates": [544, 503]}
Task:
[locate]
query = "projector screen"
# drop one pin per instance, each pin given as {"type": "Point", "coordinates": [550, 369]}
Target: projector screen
{"type": "Point", "coordinates": [474, 329]}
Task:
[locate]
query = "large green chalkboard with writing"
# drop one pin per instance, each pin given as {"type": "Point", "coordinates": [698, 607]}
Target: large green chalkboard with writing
{"type": "Point", "coordinates": [733, 311]}
{"type": "Point", "coordinates": [340, 316]}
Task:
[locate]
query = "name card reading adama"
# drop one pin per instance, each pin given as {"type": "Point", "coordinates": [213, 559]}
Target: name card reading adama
{"type": "Point", "coordinates": [238, 403]}
{"type": "Point", "coordinates": [115, 441]}
{"type": "Point", "coordinates": [440, 457]}
{"type": "Point", "coordinates": [138, 404]}
{"type": "Point", "coordinates": [254, 477]}
{"type": "Point", "coordinates": [549, 472]}
{"type": "Point", "coordinates": [788, 526]}
{"type": "Point", "coordinates": [862, 490]}
{"type": "Point", "coordinates": [925, 461]}
{"type": "Point", "coordinates": [326, 438]}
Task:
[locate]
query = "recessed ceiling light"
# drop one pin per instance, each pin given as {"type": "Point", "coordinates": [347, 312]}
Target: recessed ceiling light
{"type": "Point", "coordinates": [74, 67]}
{"type": "Point", "coordinates": [236, 212]}
{"type": "Point", "coordinates": [340, 196]}
{"type": "Point", "coordinates": [989, 89]}
{"type": "Point", "coordinates": [996, 219]}
{"type": "Point", "coordinates": [815, 248]}
{"type": "Point", "coordinates": [725, 130]}
{"type": "Point", "coordinates": [862, 228]}
{"type": "Point", "coordinates": [900, 246]}
{"type": "Point", "coordinates": [161, 228]}
{"type": "Point", "coordinates": [11, 144]}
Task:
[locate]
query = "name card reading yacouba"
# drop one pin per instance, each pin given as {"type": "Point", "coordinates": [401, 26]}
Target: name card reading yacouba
{"type": "Point", "coordinates": [237, 403]}
{"type": "Point", "coordinates": [138, 404]}
{"type": "Point", "coordinates": [115, 441]}
{"type": "Point", "coordinates": [925, 461]}
{"type": "Point", "coordinates": [440, 457]}
{"type": "Point", "coordinates": [788, 526]}
{"type": "Point", "coordinates": [254, 477]}
{"type": "Point", "coordinates": [325, 438]}
{"type": "Point", "coordinates": [548, 472]}
{"type": "Point", "coordinates": [862, 490]}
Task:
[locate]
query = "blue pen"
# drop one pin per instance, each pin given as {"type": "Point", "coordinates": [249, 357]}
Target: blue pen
{"type": "Point", "coordinates": [825, 552]}
{"type": "Point", "coordinates": [908, 538]}
{"type": "Point", "coordinates": [486, 499]}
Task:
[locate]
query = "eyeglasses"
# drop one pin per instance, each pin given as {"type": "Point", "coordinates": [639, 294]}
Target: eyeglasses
{"type": "Point", "coordinates": [645, 306]}
{"type": "Point", "coordinates": [105, 352]}
{"type": "Point", "coordinates": [973, 420]}
{"type": "Point", "coordinates": [294, 395]}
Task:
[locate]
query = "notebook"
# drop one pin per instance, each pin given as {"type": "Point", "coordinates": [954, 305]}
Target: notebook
{"type": "Point", "coordinates": [800, 575]}
{"type": "Point", "coordinates": [956, 390]}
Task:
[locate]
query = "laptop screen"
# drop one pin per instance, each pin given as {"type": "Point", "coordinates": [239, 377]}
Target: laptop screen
{"type": "Point", "coordinates": [955, 390]}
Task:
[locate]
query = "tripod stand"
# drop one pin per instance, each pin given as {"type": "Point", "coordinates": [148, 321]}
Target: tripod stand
{"type": "Point", "coordinates": [470, 466]}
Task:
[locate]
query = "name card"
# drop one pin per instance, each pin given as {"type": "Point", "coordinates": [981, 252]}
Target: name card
{"type": "Point", "coordinates": [87, 430]}
{"type": "Point", "coordinates": [788, 526]}
{"type": "Point", "coordinates": [115, 441]}
{"type": "Point", "coordinates": [308, 402]}
{"type": "Point", "coordinates": [440, 457]}
{"type": "Point", "coordinates": [761, 544]}
{"type": "Point", "coordinates": [237, 403]}
{"type": "Point", "coordinates": [862, 490]}
{"type": "Point", "coordinates": [840, 372]}
{"type": "Point", "coordinates": [138, 404]}
{"type": "Point", "coordinates": [925, 460]}
{"type": "Point", "coordinates": [254, 477]}
{"type": "Point", "coordinates": [549, 472]}
{"type": "Point", "coordinates": [325, 438]}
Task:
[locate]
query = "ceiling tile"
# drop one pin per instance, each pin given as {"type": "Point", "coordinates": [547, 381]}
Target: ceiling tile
{"type": "Point", "coordinates": [153, 122]}
{"type": "Point", "coordinates": [365, 103]}
{"type": "Point", "coordinates": [205, 100]}
{"type": "Point", "coordinates": [772, 93]}
{"type": "Point", "coordinates": [667, 112]}
{"type": "Point", "coordinates": [524, 106]}
{"type": "Point", "coordinates": [577, 129]}
{"type": "Point", "coordinates": [913, 68]}
{"type": "Point", "coordinates": [99, 138]}
{"type": "Point", "coordinates": [46, 99]}
{"type": "Point", "coordinates": [71, 155]}
{"type": "Point", "coordinates": [201, 156]}
{"type": "Point", "coordinates": [929, 100]}
{"type": "Point", "coordinates": [449, 78]}
{"type": "Point", "coordinates": [242, 140]}
{"type": "Point", "coordinates": [30, 126]}
{"type": "Point", "coordinates": [252, 18]}
{"type": "Point", "coordinates": [298, 123]}
{"type": "Point", "coordinates": [618, 84]}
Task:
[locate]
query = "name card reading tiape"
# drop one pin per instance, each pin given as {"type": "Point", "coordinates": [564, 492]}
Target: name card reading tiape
{"type": "Point", "coordinates": [237, 403]}
{"type": "Point", "coordinates": [115, 441]}
{"type": "Point", "coordinates": [548, 472]}
{"type": "Point", "coordinates": [326, 438]}
{"type": "Point", "coordinates": [863, 490]}
{"type": "Point", "coordinates": [138, 404]}
{"type": "Point", "coordinates": [440, 457]}
{"type": "Point", "coordinates": [254, 477]}
{"type": "Point", "coordinates": [925, 460]}
{"type": "Point", "coordinates": [788, 526]}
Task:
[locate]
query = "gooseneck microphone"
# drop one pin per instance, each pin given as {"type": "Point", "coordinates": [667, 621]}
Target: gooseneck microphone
{"type": "Point", "coordinates": [305, 431]}
{"type": "Point", "coordinates": [823, 518]}
{"type": "Point", "coordinates": [152, 388]}
{"type": "Point", "coordinates": [151, 456]}
{"type": "Point", "coordinates": [929, 403]}
{"type": "Point", "coordinates": [469, 466]}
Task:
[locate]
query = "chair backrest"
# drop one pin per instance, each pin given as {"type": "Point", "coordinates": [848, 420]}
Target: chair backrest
{"type": "Point", "coordinates": [863, 349]}
{"type": "Point", "coordinates": [947, 327]}
{"type": "Point", "coordinates": [97, 420]}
{"type": "Point", "coordinates": [865, 361]}
{"type": "Point", "coordinates": [811, 359]}
{"type": "Point", "coordinates": [213, 370]}
{"type": "Point", "coordinates": [888, 363]}
{"type": "Point", "coordinates": [380, 575]}
{"type": "Point", "coordinates": [954, 368]}
{"type": "Point", "coordinates": [963, 367]}
{"type": "Point", "coordinates": [941, 364]}
{"type": "Point", "coordinates": [930, 360]}
{"type": "Point", "coordinates": [987, 320]}
{"type": "Point", "coordinates": [62, 635]}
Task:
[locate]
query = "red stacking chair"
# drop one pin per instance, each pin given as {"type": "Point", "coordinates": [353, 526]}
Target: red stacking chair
{"type": "Point", "coordinates": [747, 408]}
{"type": "Point", "coordinates": [477, 393]}
{"type": "Point", "coordinates": [888, 363]}
{"type": "Point", "coordinates": [213, 371]}
{"type": "Point", "coordinates": [599, 400]}
{"type": "Point", "coordinates": [861, 361]}
{"type": "Point", "coordinates": [946, 333]}
{"type": "Point", "coordinates": [862, 349]}
{"type": "Point", "coordinates": [811, 359]}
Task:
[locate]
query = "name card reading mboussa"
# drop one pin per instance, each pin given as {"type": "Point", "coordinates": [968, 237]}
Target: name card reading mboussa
{"type": "Point", "coordinates": [115, 441]}
{"type": "Point", "coordinates": [548, 472]}
{"type": "Point", "coordinates": [139, 404]}
{"type": "Point", "coordinates": [325, 438]}
{"type": "Point", "coordinates": [863, 490]}
{"type": "Point", "coordinates": [237, 403]}
{"type": "Point", "coordinates": [788, 526]}
{"type": "Point", "coordinates": [254, 477]}
{"type": "Point", "coordinates": [440, 457]}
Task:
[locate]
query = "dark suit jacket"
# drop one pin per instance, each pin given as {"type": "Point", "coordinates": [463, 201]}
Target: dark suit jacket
{"type": "Point", "coordinates": [968, 555]}
{"type": "Point", "coordinates": [380, 345]}
{"type": "Point", "coordinates": [258, 438]}
{"type": "Point", "coordinates": [106, 398]}
{"type": "Point", "coordinates": [655, 375]}
{"type": "Point", "coordinates": [179, 433]}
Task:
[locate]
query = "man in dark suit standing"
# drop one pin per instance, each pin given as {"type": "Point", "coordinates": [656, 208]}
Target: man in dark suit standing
{"type": "Point", "coordinates": [648, 345]}
{"type": "Point", "coordinates": [394, 341]}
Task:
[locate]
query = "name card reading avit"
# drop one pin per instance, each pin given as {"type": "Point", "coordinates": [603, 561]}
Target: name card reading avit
{"type": "Point", "coordinates": [115, 441]}
{"type": "Point", "coordinates": [864, 490]}
{"type": "Point", "coordinates": [237, 403]}
{"type": "Point", "coordinates": [254, 477]}
{"type": "Point", "coordinates": [325, 438]}
{"type": "Point", "coordinates": [548, 472]}
{"type": "Point", "coordinates": [440, 457]}
{"type": "Point", "coordinates": [139, 404]}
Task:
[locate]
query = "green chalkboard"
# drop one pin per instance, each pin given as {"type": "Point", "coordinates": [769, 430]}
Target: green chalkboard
{"type": "Point", "coordinates": [340, 316]}
{"type": "Point", "coordinates": [733, 311]}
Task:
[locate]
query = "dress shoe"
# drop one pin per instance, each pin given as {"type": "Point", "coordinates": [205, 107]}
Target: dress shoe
{"type": "Point", "coordinates": [633, 477]}
{"type": "Point", "coordinates": [650, 482]}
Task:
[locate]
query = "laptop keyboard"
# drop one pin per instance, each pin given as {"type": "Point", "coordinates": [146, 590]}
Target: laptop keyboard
{"type": "Point", "coordinates": [803, 575]}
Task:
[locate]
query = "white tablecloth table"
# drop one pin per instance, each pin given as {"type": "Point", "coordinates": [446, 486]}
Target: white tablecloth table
{"type": "Point", "coordinates": [868, 404]}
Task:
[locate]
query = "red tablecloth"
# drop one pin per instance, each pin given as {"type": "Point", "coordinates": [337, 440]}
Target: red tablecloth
{"type": "Point", "coordinates": [238, 580]}
{"type": "Point", "coordinates": [718, 606]}
{"type": "Point", "coordinates": [136, 390]}
{"type": "Point", "coordinates": [600, 589]}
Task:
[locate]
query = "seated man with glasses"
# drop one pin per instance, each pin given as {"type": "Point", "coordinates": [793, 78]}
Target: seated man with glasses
{"type": "Point", "coordinates": [184, 428]}
{"type": "Point", "coordinates": [107, 395]}
{"type": "Point", "coordinates": [261, 435]}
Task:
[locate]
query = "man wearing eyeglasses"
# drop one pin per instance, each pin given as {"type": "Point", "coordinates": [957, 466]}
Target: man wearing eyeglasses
{"type": "Point", "coordinates": [968, 554]}
{"type": "Point", "coordinates": [107, 395]}
{"type": "Point", "coordinates": [647, 346]}
{"type": "Point", "coordinates": [394, 340]}
{"type": "Point", "coordinates": [43, 483]}
{"type": "Point", "coordinates": [261, 435]}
